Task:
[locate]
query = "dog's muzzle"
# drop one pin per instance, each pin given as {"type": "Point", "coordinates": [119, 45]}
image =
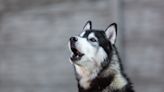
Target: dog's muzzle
{"type": "Point", "coordinates": [73, 41]}
{"type": "Point", "coordinates": [77, 55]}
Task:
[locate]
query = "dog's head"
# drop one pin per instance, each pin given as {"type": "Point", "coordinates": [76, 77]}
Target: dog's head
{"type": "Point", "coordinates": [92, 47]}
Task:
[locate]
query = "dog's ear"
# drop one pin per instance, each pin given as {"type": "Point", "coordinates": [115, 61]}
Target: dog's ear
{"type": "Point", "coordinates": [111, 32]}
{"type": "Point", "coordinates": [88, 25]}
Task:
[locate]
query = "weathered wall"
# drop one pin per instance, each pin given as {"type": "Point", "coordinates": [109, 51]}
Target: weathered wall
{"type": "Point", "coordinates": [34, 55]}
{"type": "Point", "coordinates": [17, 5]}
{"type": "Point", "coordinates": [34, 34]}
{"type": "Point", "coordinates": [144, 43]}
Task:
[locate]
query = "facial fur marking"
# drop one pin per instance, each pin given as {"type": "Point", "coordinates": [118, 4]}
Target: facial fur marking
{"type": "Point", "coordinates": [92, 35]}
{"type": "Point", "coordinates": [82, 34]}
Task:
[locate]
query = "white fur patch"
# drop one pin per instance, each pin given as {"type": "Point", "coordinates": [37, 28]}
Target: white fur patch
{"type": "Point", "coordinates": [82, 34]}
{"type": "Point", "coordinates": [87, 71]}
{"type": "Point", "coordinates": [118, 82]}
{"type": "Point", "coordinates": [92, 35]}
{"type": "Point", "coordinates": [85, 76]}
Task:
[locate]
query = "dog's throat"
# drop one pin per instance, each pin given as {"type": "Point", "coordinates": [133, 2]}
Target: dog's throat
{"type": "Point", "coordinates": [97, 84]}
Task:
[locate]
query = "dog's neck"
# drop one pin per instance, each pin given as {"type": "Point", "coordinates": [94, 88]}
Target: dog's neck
{"type": "Point", "coordinates": [111, 78]}
{"type": "Point", "coordinates": [97, 84]}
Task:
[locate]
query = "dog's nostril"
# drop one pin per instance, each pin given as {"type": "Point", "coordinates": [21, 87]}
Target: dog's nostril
{"type": "Point", "coordinates": [73, 39]}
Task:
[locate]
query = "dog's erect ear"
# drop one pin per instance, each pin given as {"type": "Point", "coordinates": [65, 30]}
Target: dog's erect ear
{"type": "Point", "coordinates": [88, 25]}
{"type": "Point", "coordinates": [111, 32]}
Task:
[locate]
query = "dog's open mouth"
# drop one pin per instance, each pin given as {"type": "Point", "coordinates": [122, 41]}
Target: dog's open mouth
{"type": "Point", "coordinates": [77, 55]}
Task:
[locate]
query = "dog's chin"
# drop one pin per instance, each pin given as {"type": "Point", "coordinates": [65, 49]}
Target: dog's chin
{"type": "Point", "coordinates": [77, 55]}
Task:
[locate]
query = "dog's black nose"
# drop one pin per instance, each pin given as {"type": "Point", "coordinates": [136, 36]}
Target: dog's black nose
{"type": "Point", "coordinates": [73, 39]}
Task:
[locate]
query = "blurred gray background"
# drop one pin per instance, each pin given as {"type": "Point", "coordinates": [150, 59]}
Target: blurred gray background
{"type": "Point", "coordinates": [34, 35]}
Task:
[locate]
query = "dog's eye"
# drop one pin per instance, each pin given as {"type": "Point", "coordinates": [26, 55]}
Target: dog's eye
{"type": "Point", "coordinates": [92, 39]}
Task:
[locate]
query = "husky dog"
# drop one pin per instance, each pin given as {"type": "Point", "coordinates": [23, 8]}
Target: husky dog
{"type": "Point", "coordinates": [96, 61]}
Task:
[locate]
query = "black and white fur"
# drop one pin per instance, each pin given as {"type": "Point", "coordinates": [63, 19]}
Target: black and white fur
{"type": "Point", "coordinates": [96, 61]}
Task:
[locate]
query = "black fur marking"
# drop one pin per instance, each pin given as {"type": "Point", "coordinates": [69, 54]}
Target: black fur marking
{"type": "Point", "coordinates": [100, 34]}
{"type": "Point", "coordinates": [97, 85]}
{"type": "Point", "coordinates": [104, 43]}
